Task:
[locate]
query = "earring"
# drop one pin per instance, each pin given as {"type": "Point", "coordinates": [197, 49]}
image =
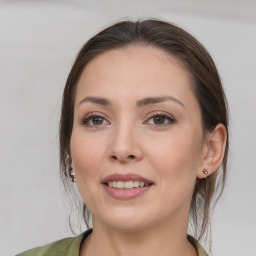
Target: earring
{"type": "Point", "coordinates": [72, 174]}
{"type": "Point", "coordinates": [205, 172]}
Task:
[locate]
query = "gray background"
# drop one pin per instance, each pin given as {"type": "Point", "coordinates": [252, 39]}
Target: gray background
{"type": "Point", "coordinates": [38, 43]}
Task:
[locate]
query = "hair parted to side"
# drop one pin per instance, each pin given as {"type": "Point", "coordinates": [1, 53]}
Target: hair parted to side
{"type": "Point", "coordinates": [206, 85]}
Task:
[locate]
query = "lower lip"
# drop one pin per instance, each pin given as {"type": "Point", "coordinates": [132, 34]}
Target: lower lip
{"type": "Point", "coordinates": [126, 193]}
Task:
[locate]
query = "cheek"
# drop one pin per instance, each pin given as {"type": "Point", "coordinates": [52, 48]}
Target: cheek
{"type": "Point", "coordinates": [177, 157]}
{"type": "Point", "coordinates": [175, 161]}
{"type": "Point", "coordinates": [87, 156]}
{"type": "Point", "coordinates": [86, 153]}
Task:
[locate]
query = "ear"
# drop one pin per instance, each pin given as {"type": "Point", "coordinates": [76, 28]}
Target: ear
{"type": "Point", "coordinates": [213, 151]}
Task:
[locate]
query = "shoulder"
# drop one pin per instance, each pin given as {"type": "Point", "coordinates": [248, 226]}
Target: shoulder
{"type": "Point", "coordinates": [64, 247]}
{"type": "Point", "coordinates": [197, 245]}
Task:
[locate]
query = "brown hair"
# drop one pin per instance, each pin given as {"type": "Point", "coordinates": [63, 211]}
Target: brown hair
{"type": "Point", "coordinates": [207, 89]}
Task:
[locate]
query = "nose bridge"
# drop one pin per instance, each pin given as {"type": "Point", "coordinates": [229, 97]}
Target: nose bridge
{"type": "Point", "coordinates": [125, 142]}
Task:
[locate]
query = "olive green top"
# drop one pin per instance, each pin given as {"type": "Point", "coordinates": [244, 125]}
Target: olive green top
{"type": "Point", "coordinates": [71, 246]}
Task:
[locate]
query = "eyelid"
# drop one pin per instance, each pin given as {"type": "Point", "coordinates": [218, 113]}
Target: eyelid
{"type": "Point", "coordinates": [169, 117]}
{"type": "Point", "coordinates": [89, 116]}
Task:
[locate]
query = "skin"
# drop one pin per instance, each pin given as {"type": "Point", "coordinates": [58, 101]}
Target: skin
{"type": "Point", "coordinates": [127, 139]}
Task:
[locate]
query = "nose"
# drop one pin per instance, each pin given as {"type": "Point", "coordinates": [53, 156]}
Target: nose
{"type": "Point", "coordinates": [125, 145]}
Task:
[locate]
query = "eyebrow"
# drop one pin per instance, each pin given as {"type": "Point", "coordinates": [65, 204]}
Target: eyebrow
{"type": "Point", "coordinates": [97, 100]}
{"type": "Point", "coordinates": [139, 103]}
{"type": "Point", "coordinates": [154, 100]}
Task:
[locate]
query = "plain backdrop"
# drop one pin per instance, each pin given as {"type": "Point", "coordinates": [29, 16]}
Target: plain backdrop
{"type": "Point", "coordinates": [38, 44]}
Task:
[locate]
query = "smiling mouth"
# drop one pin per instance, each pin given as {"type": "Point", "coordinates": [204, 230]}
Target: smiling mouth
{"type": "Point", "coordinates": [127, 184]}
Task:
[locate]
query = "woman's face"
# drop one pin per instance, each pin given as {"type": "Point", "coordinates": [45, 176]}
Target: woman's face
{"type": "Point", "coordinates": [136, 120]}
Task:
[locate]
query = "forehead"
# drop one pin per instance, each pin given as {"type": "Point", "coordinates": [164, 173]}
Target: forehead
{"type": "Point", "coordinates": [136, 71]}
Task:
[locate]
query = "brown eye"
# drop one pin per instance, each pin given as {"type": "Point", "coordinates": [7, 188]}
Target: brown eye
{"type": "Point", "coordinates": [97, 120]}
{"type": "Point", "coordinates": [159, 119]}
{"type": "Point", "coordinates": [94, 121]}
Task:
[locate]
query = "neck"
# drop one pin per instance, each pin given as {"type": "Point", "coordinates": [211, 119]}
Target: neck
{"type": "Point", "coordinates": [160, 240]}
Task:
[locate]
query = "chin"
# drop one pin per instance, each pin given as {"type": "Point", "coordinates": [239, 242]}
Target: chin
{"type": "Point", "coordinates": [126, 226]}
{"type": "Point", "coordinates": [124, 220]}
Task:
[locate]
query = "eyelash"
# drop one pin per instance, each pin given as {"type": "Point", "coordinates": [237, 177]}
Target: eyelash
{"type": "Point", "coordinates": [170, 119]}
{"type": "Point", "coordinates": [89, 117]}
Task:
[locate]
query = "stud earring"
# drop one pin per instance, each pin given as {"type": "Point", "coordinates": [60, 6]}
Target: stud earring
{"type": "Point", "coordinates": [72, 174]}
{"type": "Point", "coordinates": [205, 172]}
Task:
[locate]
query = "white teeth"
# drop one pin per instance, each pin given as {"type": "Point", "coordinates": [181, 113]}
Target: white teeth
{"type": "Point", "coordinates": [136, 184]}
{"type": "Point", "coordinates": [127, 184]}
{"type": "Point", "coordinates": [120, 184]}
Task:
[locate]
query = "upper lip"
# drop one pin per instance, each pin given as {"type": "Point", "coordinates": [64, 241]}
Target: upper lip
{"type": "Point", "coordinates": [126, 177]}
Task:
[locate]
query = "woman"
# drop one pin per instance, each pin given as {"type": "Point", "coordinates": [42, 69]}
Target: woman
{"type": "Point", "coordinates": [144, 133]}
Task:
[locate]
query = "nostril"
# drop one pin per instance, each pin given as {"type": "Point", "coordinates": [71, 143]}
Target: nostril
{"type": "Point", "coordinates": [114, 157]}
